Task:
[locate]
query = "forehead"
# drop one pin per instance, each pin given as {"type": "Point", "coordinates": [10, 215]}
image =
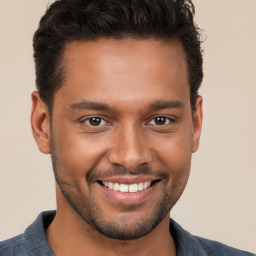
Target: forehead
{"type": "Point", "coordinates": [127, 70]}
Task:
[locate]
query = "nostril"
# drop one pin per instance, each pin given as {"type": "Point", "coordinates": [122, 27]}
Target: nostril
{"type": "Point", "coordinates": [129, 154]}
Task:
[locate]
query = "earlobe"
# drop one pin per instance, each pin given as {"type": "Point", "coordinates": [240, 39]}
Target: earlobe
{"type": "Point", "coordinates": [40, 123]}
{"type": "Point", "coordinates": [197, 123]}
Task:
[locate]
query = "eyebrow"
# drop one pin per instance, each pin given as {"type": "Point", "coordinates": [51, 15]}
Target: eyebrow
{"type": "Point", "coordinates": [157, 105]}
{"type": "Point", "coordinates": [89, 105]}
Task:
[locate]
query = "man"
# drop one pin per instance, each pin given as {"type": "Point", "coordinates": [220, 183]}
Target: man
{"type": "Point", "coordinates": [118, 109]}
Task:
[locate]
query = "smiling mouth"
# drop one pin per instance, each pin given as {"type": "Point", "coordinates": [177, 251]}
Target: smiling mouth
{"type": "Point", "coordinates": [128, 188]}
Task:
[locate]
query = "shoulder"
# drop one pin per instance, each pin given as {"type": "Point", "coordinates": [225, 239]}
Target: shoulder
{"type": "Point", "coordinates": [216, 248]}
{"type": "Point", "coordinates": [191, 245]}
{"type": "Point", "coordinates": [13, 246]}
{"type": "Point", "coordinates": [33, 241]}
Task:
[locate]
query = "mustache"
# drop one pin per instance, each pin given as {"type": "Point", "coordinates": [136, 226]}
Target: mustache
{"type": "Point", "coordinates": [120, 170]}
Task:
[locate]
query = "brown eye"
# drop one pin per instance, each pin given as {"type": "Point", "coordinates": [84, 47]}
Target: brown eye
{"type": "Point", "coordinates": [160, 120]}
{"type": "Point", "coordinates": [95, 121]}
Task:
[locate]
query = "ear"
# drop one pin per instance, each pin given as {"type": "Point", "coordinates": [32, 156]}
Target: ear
{"type": "Point", "coordinates": [40, 123]}
{"type": "Point", "coordinates": [197, 123]}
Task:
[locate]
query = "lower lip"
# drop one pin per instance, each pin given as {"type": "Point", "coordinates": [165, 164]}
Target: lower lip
{"type": "Point", "coordinates": [125, 198]}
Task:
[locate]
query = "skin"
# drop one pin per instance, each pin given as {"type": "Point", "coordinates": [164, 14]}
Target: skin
{"type": "Point", "coordinates": [137, 81]}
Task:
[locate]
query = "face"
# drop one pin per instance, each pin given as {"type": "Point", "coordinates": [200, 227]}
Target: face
{"type": "Point", "coordinates": [122, 133]}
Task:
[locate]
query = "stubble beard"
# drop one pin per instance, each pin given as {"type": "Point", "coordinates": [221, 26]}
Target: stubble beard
{"type": "Point", "coordinates": [122, 228]}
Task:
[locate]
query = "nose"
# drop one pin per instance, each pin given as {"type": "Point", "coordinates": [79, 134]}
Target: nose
{"type": "Point", "coordinates": [130, 148]}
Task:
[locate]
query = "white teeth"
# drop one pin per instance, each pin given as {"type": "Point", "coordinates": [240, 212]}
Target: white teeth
{"type": "Point", "coordinates": [140, 186]}
{"type": "Point", "coordinates": [132, 188]}
{"type": "Point", "coordinates": [123, 188]}
{"type": "Point", "coordinates": [116, 186]}
{"type": "Point", "coordinates": [110, 185]}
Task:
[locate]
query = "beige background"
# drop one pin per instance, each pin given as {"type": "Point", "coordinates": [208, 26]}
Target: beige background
{"type": "Point", "coordinates": [220, 199]}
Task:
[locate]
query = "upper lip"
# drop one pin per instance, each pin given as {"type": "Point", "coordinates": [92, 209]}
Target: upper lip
{"type": "Point", "coordinates": [129, 179]}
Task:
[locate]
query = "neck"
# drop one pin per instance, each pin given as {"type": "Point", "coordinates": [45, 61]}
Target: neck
{"type": "Point", "coordinates": [69, 234]}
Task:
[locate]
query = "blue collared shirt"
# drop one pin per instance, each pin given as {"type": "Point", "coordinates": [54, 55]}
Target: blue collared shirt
{"type": "Point", "coordinates": [33, 242]}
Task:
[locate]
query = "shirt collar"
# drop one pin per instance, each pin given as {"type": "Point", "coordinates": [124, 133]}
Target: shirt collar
{"type": "Point", "coordinates": [37, 244]}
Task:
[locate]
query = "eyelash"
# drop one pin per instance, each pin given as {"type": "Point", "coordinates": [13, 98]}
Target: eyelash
{"type": "Point", "coordinates": [170, 120]}
{"type": "Point", "coordinates": [93, 119]}
{"type": "Point", "coordinates": [100, 119]}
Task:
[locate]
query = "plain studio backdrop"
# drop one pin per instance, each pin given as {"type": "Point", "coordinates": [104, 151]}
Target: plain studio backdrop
{"type": "Point", "coordinates": [220, 199]}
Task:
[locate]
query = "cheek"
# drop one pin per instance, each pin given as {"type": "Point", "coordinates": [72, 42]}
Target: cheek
{"type": "Point", "coordinates": [174, 150]}
{"type": "Point", "coordinates": [174, 156]}
{"type": "Point", "coordinates": [177, 162]}
{"type": "Point", "coordinates": [178, 165]}
{"type": "Point", "coordinates": [75, 152]}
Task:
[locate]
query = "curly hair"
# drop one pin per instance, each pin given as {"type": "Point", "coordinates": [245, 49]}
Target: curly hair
{"type": "Point", "coordinates": [87, 20]}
